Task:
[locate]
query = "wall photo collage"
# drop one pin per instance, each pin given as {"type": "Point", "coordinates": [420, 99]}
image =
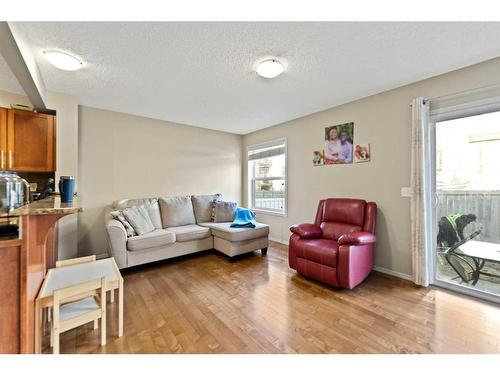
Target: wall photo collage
{"type": "Point", "coordinates": [339, 147]}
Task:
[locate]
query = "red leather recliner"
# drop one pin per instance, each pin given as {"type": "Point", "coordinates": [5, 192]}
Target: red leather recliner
{"type": "Point", "coordinates": [338, 248]}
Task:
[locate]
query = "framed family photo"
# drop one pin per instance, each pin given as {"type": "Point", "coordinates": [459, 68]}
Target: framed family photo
{"type": "Point", "coordinates": [338, 144]}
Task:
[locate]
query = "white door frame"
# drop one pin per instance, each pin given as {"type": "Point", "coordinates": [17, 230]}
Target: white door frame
{"type": "Point", "coordinates": [444, 114]}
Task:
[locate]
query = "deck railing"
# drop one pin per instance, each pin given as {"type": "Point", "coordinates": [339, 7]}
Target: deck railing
{"type": "Point", "coordinates": [274, 200]}
{"type": "Point", "coordinates": [484, 204]}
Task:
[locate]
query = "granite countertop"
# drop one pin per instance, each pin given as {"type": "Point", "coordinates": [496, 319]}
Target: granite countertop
{"type": "Point", "coordinates": [48, 206]}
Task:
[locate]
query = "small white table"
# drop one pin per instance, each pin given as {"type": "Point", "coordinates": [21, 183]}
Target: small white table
{"type": "Point", "coordinates": [480, 252]}
{"type": "Point", "coordinates": [479, 249]}
{"type": "Point", "coordinates": [57, 278]}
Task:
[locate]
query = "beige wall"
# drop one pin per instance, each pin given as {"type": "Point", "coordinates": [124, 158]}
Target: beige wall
{"type": "Point", "coordinates": [66, 156]}
{"type": "Point", "coordinates": [382, 120]}
{"type": "Point", "coordinates": [8, 98]}
{"type": "Point", "coordinates": [125, 156]}
{"type": "Point", "coordinates": [66, 164]}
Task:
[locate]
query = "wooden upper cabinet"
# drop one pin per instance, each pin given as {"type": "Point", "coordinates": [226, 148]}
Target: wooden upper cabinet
{"type": "Point", "coordinates": [31, 142]}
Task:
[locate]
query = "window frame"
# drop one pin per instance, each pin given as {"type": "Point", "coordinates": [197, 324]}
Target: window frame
{"type": "Point", "coordinates": [251, 178]}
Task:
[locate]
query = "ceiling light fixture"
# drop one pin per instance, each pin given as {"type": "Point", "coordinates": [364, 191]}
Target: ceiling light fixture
{"type": "Point", "coordinates": [63, 60]}
{"type": "Point", "coordinates": [270, 68]}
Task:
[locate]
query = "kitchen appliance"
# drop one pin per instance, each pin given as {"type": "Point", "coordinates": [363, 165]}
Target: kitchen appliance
{"type": "Point", "coordinates": [46, 190]}
{"type": "Point", "coordinates": [14, 191]}
{"type": "Point", "coordinates": [67, 188]}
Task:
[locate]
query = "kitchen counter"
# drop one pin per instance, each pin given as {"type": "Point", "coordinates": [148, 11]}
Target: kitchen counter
{"type": "Point", "coordinates": [48, 206]}
{"type": "Point", "coordinates": [24, 261]}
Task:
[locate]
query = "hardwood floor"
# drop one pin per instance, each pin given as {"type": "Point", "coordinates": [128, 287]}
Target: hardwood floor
{"type": "Point", "coordinates": [205, 304]}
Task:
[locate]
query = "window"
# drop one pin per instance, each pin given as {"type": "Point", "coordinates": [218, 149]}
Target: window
{"type": "Point", "coordinates": [267, 176]}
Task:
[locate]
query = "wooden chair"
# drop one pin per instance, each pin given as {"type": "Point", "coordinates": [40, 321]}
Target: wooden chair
{"type": "Point", "coordinates": [69, 313]}
{"type": "Point", "coordinates": [72, 262]}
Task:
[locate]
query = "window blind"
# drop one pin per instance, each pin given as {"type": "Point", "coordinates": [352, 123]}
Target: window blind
{"type": "Point", "coordinates": [267, 149]}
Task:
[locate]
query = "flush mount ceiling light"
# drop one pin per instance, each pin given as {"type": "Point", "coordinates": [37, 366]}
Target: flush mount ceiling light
{"type": "Point", "coordinates": [63, 60]}
{"type": "Point", "coordinates": [270, 68]}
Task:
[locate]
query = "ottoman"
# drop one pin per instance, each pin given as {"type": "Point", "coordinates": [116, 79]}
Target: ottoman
{"type": "Point", "coordinates": [237, 241]}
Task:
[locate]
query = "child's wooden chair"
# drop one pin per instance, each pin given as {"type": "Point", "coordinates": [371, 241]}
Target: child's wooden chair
{"type": "Point", "coordinates": [71, 262]}
{"type": "Point", "coordinates": [70, 312]}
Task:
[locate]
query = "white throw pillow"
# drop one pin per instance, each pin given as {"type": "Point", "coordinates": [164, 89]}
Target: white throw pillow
{"type": "Point", "coordinates": [153, 209]}
{"type": "Point", "coordinates": [139, 218]}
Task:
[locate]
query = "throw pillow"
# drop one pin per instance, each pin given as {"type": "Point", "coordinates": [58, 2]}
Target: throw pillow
{"type": "Point", "coordinates": [118, 215]}
{"type": "Point", "coordinates": [176, 211]}
{"type": "Point", "coordinates": [153, 209]}
{"type": "Point", "coordinates": [139, 218]}
{"type": "Point", "coordinates": [224, 211]}
{"type": "Point", "coordinates": [202, 205]}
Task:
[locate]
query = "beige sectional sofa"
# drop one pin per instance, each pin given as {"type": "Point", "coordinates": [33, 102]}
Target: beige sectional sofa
{"type": "Point", "coordinates": [182, 226]}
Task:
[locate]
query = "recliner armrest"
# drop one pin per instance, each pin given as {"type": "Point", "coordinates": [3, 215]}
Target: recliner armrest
{"type": "Point", "coordinates": [307, 231]}
{"type": "Point", "coordinates": [357, 238]}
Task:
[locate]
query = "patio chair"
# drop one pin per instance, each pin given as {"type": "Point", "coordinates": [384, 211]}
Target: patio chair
{"type": "Point", "coordinates": [464, 267]}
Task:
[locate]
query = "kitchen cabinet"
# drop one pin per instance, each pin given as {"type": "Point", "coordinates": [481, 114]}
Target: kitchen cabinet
{"type": "Point", "coordinates": [24, 261]}
{"type": "Point", "coordinates": [27, 141]}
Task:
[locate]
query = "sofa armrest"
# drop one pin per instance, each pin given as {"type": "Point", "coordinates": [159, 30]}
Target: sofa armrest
{"type": "Point", "coordinates": [117, 241]}
{"type": "Point", "coordinates": [307, 231]}
{"type": "Point", "coordinates": [357, 238]}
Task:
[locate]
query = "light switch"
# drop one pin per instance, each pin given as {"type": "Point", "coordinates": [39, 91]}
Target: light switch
{"type": "Point", "coordinates": [407, 192]}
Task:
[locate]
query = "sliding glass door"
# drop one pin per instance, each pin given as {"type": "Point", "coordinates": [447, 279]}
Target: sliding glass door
{"type": "Point", "coordinates": [466, 201]}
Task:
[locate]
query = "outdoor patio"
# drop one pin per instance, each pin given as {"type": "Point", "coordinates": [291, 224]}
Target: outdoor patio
{"type": "Point", "coordinates": [486, 206]}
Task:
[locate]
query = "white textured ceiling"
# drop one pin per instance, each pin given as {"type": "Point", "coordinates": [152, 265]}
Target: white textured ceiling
{"type": "Point", "coordinates": [202, 74]}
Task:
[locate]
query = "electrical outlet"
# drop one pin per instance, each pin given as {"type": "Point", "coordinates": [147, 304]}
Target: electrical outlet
{"type": "Point", "coordinates": [407, 192]}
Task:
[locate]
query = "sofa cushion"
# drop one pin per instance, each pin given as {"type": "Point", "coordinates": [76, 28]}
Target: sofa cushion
{"type": "Point", "coordinates": [223, 230]}
{"type": "Point", "coordinates": [224, 211]}
{"type": "Point", "coordinates": [176, 211]}
{"type": "Point", "coordinates": [138, 217]}
{"type": "Point", "coordinates": [157, 238]}
{"type": "Point", "coordinates": [190, 232]}
{"type": "Point", "coordinates": [318, 250]}
{"type": "Point", "coordinates": [202, 206]}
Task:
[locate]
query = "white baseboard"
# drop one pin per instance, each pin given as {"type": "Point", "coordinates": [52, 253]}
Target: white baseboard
{"type": "Point", "coordinates": [278, 241]}
{"type": "Point", "coordinates": [401, 275]}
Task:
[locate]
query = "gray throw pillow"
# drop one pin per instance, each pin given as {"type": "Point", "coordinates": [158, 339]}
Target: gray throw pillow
{"type": "Point", "coordinates": [153, 209]}
{"type": "Point", "coordinates": [139, 218]}
{"type": "Point", "coordinates": [118, 215]}
{"type": "Point", "coordinates": [176, 211]}
{"type": "Point", "coordinates": [202, 205]}
{"type": "Point", "coordinates": [224, 211]}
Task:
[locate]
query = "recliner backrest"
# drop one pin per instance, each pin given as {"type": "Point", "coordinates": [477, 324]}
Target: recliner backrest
{"type": "Point", "coordinates": [337, 216]}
